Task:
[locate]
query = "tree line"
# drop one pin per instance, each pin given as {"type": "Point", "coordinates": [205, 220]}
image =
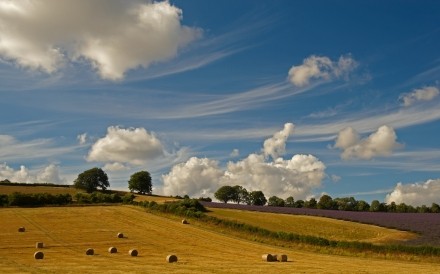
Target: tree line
{"type": "Point", "coordinates": [239, 194]}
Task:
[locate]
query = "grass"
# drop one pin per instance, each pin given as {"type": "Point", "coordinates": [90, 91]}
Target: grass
{"type": "Point", "coordinates": [315, 226]}
{"type": "Point", "coordinates": [68, 231]}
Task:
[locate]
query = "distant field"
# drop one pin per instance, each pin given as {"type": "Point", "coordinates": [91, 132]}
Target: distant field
{"type": "Point", "coordinates": [68, 231]}
{"type": "Point", "coordinates": [38, 189]}
{"type": "Point", "coordinates": [315, 226]}
{"type": "Point", "coordinates": [427, 224]}
{"type": "Point", "coordinates": [8, 189]}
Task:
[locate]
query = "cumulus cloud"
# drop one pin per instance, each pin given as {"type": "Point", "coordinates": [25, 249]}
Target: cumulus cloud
{"type": "Point", "coordinates": [196, 177]}
{"type": "Point", "coordinates": [113, 36]}
{"type": "Point", "coordinates": [416, 194]}
{"type": "Point", "coordinates": [422, 94]}
{"type": "Point", "coordinates": [296, 177]}
{"type": "Point", "coordinates": [135, 146]}
{"type": "Point", "coordinates": [320, 67]}
{"type": "Point", "coordinates": [49, 174]}
{"type": "Point", "coordinates": [379, 143]}
{"type": "Point", "coordinates": [276, 145]}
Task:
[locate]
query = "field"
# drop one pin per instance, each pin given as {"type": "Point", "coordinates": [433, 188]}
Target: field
{"type": "Point", "coordinates": [9, 189]}
{"type": "Point", "coordinates": [315, 226]}
{"type": "Point", "coordinates": [68, 231]}
{"type": "Point", "coordinates": [426, 224]}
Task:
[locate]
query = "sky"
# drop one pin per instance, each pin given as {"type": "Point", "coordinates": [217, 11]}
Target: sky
{"type": "Point", "coordinates": [293, 98]}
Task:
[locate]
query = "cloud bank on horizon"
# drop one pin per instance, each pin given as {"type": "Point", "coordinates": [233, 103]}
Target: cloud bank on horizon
{"type": "Point", "coordinates": [297, 176]}
{"type": "Point", "coordinates": [186, 127]}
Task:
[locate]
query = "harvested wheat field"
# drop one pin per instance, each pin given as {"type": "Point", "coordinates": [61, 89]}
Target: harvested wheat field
{"type": "Point", "coordinates": [67, 232]}
{"type": "Point", "coordinates": [328, 228]}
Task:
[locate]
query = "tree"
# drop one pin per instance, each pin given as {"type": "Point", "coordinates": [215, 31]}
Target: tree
{"type": "Point", "coordinates": [312, 203]}
{"type": "Point", "coordinates": [290, 201]}
{"type": "Point", "coordinates": [362, 206]}
{"type": "Point", "coordinates": [240, 194]}
{"type": "Point", "coordinates": [91, 179]}
{"type": "Point", "coordinates": [299, 203]}
{"type": "Point", "coordinates": [140, 182]}
{"type": "Point", "coordinates": [257, 198]}
{"type": "Point", "coordinates": [275, 201]}
{"type": "Point", "coordinates": [435, 208]}
{"type": "Point", "coordinates": [225, 194]}
{"type": "Point", "coordinates": [326, 202]}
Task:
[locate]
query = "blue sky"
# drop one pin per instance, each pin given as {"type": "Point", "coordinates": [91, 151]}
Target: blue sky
{"type": "Point", "coordinates": [295, 98]}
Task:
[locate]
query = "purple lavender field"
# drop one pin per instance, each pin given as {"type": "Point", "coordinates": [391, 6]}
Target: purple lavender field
{"type": "Point", "coordinates": [426, 224]}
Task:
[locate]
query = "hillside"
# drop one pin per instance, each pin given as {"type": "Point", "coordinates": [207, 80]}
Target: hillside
{"type": "Point", "coordinates": [68, 231]}
{"type": "Point", "coordinates": [327, 228]}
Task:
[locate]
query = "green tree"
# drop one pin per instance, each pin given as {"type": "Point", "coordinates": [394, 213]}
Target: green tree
{"type": "Point", "coordinates": [290, 201]}
{"type": "Point", "coordinates": [326, 202]}
{"type": "Point", "coordinates": [257, 198]}
{"type": "Point", "coordinates": [140, 182]}
{"type": "Point", "coordinates": [299, 203]}
{"type": "Point", "coordinates": [435, 208]}
{"type": "Point", "coordinates": [362, 206]}
{"type": "Point", "coordinates": [275, 201]}
{"type": "Point", "coordinates": [312, 203]}
{"type": "Point", "coordinates": [225, 194]}
{"type": "Point", "coordinates": [91, 179]}
{"type": "Point", "coordinates": [240, 194]}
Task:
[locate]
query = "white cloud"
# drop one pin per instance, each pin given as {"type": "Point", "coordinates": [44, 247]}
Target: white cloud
{"type": "Point", "coordinates": [297, 176]}
{"type": "Point", "coordinates": [196, 177]}
{"type": "Point", "coordinates": [416, 194]}
{"type": "Point", "coordinates": [320, 67]}
{"type": "Point", "coordinates": [421, 94]}
{"type": "Point", "coordinates": [49, 174]}
{"type": "Point", "coordinates": [82, 138]}
{"type": "Point", "coordinates": [115, 167]}
{"type": "Point", "coordinates": [379, 143]}
{"type": "Point", "coordinates": [114, 36]}
{"type": "Point", "coordinates": [133, 145]}
{"type": "Point", "coordinates": [335, 178]}
{"type": "Point", "coordinates": [276, 145]}
{"type": "Point", "coordinates": [235, 153]}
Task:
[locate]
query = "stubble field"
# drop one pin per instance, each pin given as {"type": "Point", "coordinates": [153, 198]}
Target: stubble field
{"type": "Point", "coordinates": [68, 231]}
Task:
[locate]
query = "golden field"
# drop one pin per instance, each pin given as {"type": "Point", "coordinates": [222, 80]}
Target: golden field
{"type": "Point", "coordinates": [68, 231]}
{"type": "Point", "coordinates": [328, 228]}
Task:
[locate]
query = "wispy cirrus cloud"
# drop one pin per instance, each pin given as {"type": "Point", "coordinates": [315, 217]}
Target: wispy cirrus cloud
{"type": "Point", "coordinates": [15, 150]}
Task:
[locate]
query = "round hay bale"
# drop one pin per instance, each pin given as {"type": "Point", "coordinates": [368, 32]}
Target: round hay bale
{"type": "Point", "coordinates": [21, 229]}
{"type": "Point", "coordinates": [38, 255]}
{"type": "Point", "coordinates": [120, 235]}
{"type": "Point", "coordinates": [282, 258]}
{"type": "Point", "coordinates": [39, 245]}
{"type": "Point", "coordinates": [172, 258]}
{"type": "Point", "coordinates": [133, 252]}
{"type": "Point", "coordinates": [267, 258]}
{"type": "Point", "coordinates": [112, 250]}
{"type": "Point", "coordinates": [274, 257]}
{"type": "Point", "coordinates": [185, 222]}
{"type": "Point", "coordinates": [90, 251]}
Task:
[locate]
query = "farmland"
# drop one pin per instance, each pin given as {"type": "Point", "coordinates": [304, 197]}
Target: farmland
{"type": "Point", "coordinates": [427, 224]}
{"type": "Point", "coordinates": [68, 231]}
{"type": "Point", "coordinates": [315, 226]}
